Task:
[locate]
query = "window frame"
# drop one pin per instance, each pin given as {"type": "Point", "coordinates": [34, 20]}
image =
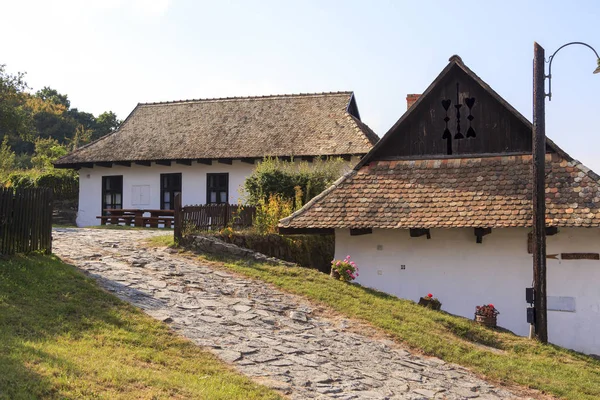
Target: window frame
{"type": "Point", "coordinates": [218, 189]}
{"type": "Point", "coordinates": [171, 188]}
{"type": "Point", "coordinates": [112, 192]}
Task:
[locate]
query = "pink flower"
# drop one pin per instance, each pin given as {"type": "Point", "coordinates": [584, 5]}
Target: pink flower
{"type": "Point", "coordinates": [357, 274]}
{"type": "Point", "coordinates": [347, 257]}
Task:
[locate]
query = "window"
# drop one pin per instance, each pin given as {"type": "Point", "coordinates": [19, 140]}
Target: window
{"type": "Point", "coordinates": [217, 188]}
{"type": "Point", "coordinates": [170, 185]}
{"type": "Point", "coordinates": [112, 192]}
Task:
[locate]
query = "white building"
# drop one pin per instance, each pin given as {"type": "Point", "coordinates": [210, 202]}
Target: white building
{"type": "Point", "coordinates": [442, 205]}
{"type": "Point", "coordinates": [205, 149]}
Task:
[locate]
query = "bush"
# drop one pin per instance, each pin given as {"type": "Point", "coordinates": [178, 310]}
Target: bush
{"type": "Point", "coordinates": [64, 184]}
{"type": "Point", "coordinates": [269, 212]}
{"type": "Point", "coordinates": [288, 178]}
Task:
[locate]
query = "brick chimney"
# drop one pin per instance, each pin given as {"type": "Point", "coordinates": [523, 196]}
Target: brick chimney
{"type": "Point", "coordinates": [411, 99]}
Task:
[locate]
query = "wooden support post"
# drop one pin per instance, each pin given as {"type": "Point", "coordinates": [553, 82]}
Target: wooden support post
{"type": "Point", "coordinates": [178, 214]}
{"type": "Point", "coordinates": [539, 205]}
{"type": "Point", "coordinates": [418, 232]}
{"type": "Point", "coordinates": [360, 231]}
{"type": "Point", "coordinates": [481, 232]}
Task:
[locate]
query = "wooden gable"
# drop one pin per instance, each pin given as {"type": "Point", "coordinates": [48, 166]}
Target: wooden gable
{"type": "Point", "coordinates": [458, 115]}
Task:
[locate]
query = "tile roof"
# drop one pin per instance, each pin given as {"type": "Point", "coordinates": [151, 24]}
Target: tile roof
{"type": "Point", "coordinates": [492, 192]}
{"type": "Point", "coordinates": [283, 125]}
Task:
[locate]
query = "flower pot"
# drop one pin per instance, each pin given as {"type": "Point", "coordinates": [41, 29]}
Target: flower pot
{"type": "Point", "coordinates": [485, 320]}
{"type": "Point", "coordinates": [429, 302]}
{"type": "Point", "coordinates": [335, 274]}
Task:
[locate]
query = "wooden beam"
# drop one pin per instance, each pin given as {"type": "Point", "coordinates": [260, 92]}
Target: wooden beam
{"type": "Point", "coordinates": [248, 160]}
{"type": "Point", "coordinates": [307, 158]}
{"type": "Point", "coordinates": [123, 163]}
{"type": "Point", "coordinates": [285, 158]}
{"type": "Point", "coordinates": [205, 161]}
{"type": "Point", "coordinates": [305, 231]}
{"type": "Point", "coordinates": [360, 231]}
{"type": "Point", "coordinates": [481, 232]}
{"type": "Point", "coordinates": [183, 162]}
{"type": "Point", "coordinates": [227, 161]}
{"type": "Point", "coordinates": [346, 157]}
{"type": "Point", "coordinates": [84, 165]}
{"type": "Point", "coordinates": [418, 232]}
{"type": "Point", "coordinates": [163, 162]}
{"type": "Point", "coordinates": [104, 164]}
{"type": "Point", "coordinates": [144, 163]}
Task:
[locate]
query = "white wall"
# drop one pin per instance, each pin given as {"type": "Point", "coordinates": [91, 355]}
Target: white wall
{"type": "Point", "coordinates": [463, 274]}
{"type": "Point", "coordinates": [193, 190]}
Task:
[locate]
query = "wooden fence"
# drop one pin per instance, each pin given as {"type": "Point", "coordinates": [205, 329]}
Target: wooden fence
{"type": "Point", "coordinates": [210, 217]}
{"type": "Point", "coordinates": [25, 220]}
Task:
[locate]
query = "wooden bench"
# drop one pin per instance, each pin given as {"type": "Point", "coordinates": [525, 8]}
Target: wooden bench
{"type": "Point", "coordinates": [116, 220]}
{"type": "Point", "coordinates": [153, 222]}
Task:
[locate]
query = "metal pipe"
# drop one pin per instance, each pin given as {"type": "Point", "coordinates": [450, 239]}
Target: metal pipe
{"type": "Point", "coordinates": [551, 58]}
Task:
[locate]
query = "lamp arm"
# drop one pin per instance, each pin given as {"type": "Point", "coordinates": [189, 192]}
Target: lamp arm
{"type": "Point", "coordinates": [551, 58]}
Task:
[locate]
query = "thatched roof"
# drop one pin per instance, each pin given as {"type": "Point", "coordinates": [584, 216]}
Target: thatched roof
{"type": "Point", "coordinates": [321, 124]}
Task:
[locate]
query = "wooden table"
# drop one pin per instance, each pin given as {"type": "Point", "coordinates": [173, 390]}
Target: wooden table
{"type": "Point", "coordinates": [137, 217]}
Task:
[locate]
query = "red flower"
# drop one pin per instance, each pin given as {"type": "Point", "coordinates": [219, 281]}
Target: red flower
{"type": "Point", "coordinates": [491, 305]}
{"type": "Point", "coordinates": [429, 295]}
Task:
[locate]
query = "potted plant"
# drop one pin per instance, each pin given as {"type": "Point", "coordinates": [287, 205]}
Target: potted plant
{"type": "Point", "coordinates": [344, 270]}
{"type": "Point", "coordinates": [430, 302]}
{"type": "Point", "coordinates": [486, 315]}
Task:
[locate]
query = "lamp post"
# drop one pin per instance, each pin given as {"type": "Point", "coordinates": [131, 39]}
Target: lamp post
{"type": "Point", "coordinates": [539, 172]}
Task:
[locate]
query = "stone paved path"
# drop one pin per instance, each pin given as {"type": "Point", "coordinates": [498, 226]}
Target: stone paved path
{"type": "Point", "coordinates": [270, 336]}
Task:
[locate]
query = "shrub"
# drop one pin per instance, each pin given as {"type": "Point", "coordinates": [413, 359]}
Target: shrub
{"type": "Point", "coordinates": [292, 180]}
{"type": "Point", "coordinates": [269, 212]}
{"type": "Point", "coordinates": [64, 184]}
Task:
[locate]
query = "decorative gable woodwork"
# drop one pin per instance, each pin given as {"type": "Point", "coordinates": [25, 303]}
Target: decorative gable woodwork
{"type": "Point", "coordinates": [457, 117]}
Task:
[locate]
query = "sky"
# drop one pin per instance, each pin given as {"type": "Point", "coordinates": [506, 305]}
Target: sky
{"type": "Point", "coordinates": [113, 54]}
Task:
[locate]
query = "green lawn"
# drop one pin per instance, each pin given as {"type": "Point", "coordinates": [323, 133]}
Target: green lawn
{"type": "Point", "coordinates": [63, 337]}
{"type": "Point", "coordinates": [499, 355]}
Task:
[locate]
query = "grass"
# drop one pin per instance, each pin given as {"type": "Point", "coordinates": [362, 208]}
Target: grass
{"type": "Point", "coordinates": [63, 337]}
{"type": "Point", "coordinates": [498, 355]}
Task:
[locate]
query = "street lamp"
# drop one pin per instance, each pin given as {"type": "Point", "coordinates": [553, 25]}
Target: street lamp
{"type": "Point", "coordinates": [540, 320]}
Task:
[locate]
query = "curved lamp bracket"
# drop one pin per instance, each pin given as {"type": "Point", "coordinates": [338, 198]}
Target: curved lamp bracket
{"type": "Point", "coordinates": [551, 58]}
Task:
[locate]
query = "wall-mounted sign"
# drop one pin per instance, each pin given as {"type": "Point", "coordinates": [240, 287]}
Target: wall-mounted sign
{"type": "Point", "coordinates": [580, 256]}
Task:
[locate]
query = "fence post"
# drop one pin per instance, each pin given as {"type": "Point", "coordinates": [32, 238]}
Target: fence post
{"type": "Point", "coordinates": [177, 219]}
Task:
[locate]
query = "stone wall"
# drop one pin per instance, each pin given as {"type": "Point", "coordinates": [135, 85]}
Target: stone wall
{"type": "Point", "coordinates": [214, 245]}
{"type": "Point", "coordinates": [64, 212]}
{"type": "Point", "coordinates": [310, 251]}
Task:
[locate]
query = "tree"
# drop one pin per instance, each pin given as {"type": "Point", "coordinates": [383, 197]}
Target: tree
{"type": "Point", "coordinates": [46, 152]}
{"type": "Point", "coordinates": [106, 123]}
{"type": "Point", "coordinates": [82, 136]}
{"type": "Point", "coordinates": [15, 121]}
{"type": "Point", "coordinates": [7, 157]}
{"type": "Point", "coordinates": [51, 95]}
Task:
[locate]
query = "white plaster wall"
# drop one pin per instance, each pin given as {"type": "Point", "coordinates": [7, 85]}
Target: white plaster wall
{"type": "Point", "coordinates": [463, 274]}
{"type": "Point", "coordinates": [193, 185]}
